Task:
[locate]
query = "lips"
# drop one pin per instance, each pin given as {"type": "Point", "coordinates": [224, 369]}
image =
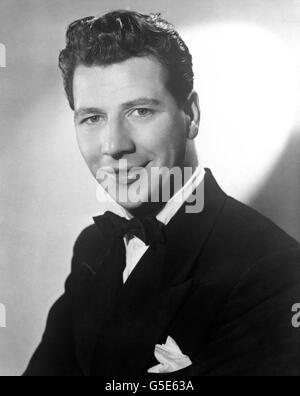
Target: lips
{"type": "Point", "coordinates": [114, 171]}
{"type": "Point", "coordinates": [123, 176]}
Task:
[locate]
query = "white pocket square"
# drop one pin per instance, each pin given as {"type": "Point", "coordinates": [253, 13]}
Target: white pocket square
{"type": "Point", "coordinates": [170, 358]}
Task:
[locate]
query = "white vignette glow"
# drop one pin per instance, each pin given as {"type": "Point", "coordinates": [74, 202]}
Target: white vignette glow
{"type": "Point", "coordinates": [248, 85]}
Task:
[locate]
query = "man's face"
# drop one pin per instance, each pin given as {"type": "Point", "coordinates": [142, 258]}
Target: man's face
{"type": "Point", "coordinates": [125, 112]}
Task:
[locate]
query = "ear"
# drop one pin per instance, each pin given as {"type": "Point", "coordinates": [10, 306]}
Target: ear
{"type": "Point", "coordinates": [193, 114]}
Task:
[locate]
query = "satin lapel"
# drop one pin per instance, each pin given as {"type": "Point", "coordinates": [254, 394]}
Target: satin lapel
{"type": "Point", "coordinates": [96, 294]}
{"type": "Point", "coordinates": [155, 291]}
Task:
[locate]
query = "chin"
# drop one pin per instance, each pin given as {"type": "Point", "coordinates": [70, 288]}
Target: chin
{"type": "Point", "coordinates": [128, 204]}
{"type": "Point", "coordinates": [132, 205]}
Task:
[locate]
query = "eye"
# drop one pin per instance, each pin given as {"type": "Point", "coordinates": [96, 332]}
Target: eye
{"type": "Point", "coordinates": [92, 120]}
{"type": "Point", "coordinates": [142, 113]}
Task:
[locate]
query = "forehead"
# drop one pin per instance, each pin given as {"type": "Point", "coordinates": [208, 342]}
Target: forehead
{"type": "Point", "coordinates": [119, 83]}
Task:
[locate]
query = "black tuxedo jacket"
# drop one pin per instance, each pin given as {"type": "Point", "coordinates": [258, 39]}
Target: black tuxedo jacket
{"type": "Point", "coordinates": [222, 286]}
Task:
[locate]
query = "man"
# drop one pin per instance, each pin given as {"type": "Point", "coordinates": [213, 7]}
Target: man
{"type": "Point", "coordinates": [156, 288]}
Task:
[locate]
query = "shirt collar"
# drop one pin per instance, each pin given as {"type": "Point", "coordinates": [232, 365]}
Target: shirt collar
{"type": "Point", "coordinates": [168, 211]}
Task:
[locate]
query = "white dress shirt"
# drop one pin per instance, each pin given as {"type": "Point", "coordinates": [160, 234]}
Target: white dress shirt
{"type": "Point", "coordinates": [136, 248]}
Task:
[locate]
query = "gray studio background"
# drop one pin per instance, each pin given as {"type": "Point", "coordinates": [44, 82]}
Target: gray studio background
{"type": "Point", "coordinates": [250, 136]}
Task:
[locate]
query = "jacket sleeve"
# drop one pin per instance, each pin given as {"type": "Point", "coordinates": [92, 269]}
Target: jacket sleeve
{"type": "Point", "coordinates": [255, 334]}
{"type": "Point", "coordinates": [55, 356]}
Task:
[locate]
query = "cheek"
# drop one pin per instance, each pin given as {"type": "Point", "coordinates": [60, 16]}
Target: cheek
{"type": "Point", "coordinates": [165, 137]}
{"type": "Point", "coordinates": [88, 148]}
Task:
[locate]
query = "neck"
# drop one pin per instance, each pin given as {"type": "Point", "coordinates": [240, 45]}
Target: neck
{"type": "Point", "coordinates": [191, 156]}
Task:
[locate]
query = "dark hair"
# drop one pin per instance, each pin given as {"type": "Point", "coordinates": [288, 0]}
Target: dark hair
{"type": "Point", "coordinates": [121, 35]}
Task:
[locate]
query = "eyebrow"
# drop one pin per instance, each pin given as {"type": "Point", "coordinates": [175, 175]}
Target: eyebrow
{"type": "Point", "coordinates": [134, 103]}
{"type": "Point", "coordinates": [141, 102]}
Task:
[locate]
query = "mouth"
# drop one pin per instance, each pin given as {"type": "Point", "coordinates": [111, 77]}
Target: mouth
{"type": "Point", "coordinates": [125, 176]}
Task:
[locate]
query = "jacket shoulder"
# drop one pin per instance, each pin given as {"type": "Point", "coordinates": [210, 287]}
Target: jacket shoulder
{"type": "Point", "coordinates": [89, 236]}
{"type": "Point", "coordinates": [243, 239]}
{"type": "Point", "coordinates": [87, 246]}
{"type": "Point", "coordinates": [247, 230]}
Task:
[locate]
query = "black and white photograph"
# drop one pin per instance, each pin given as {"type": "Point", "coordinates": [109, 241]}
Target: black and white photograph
{"type": "Point", "coordinates": [150, 190]}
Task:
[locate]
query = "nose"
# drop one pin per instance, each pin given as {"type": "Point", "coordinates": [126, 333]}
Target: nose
{"type": "Point", "coordinates": [116, 140]}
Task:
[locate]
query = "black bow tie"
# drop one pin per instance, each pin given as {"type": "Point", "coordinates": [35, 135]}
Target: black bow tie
{"type": "Point", "coordinates": [148, 229]}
